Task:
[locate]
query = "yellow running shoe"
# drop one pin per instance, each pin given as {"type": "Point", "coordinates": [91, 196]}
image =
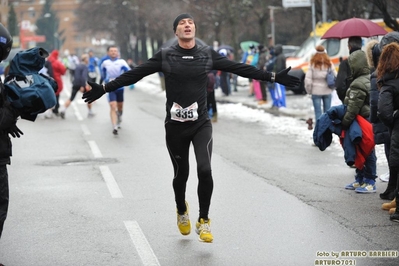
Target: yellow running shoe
{"type": "Point", "coordinates": [183, 222]}
{"type": "Point", "coordinates": [203, 229]}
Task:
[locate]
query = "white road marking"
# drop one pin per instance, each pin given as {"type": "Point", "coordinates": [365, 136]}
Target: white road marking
{"type": "Point", "coordinates": [141, 244]}
{"type": "Point", "coordinates": [94, 149]}
{"type": "Point", "coordinates": [85, 130]}
{"type": "Point", "coordinates": [77, 113]}
{"type": "Point", "coordinates": [110, 182]}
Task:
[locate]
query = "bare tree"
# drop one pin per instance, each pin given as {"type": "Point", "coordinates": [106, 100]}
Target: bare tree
{"type": "Point", "coordinates": [382, 5]}
{"type": "Point", "coordinates": [131, 23]}
{"type": "Point", "coordinates": [113, 17]}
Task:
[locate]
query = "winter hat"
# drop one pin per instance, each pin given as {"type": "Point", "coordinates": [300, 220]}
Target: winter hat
{"type": "Point", "coordinates": [223, 52]}
{"type": "Point", "coordinates": [320, 49]}
{"type": "Point", "coordinates": [180, 17]}
{"type": "Point", "coordinates": [376, 52]}
{"type": "Point", "coordinates": [392, 36]}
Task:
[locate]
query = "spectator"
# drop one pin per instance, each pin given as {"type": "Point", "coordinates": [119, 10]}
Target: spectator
{"type": "Point", "coordinates": [388, 105]}
{"type": "Point", "coordinates": [357, 101]}
{"type": "Point", "coordinates": [251, 57]}
{"type": "Point", "coordinates": [8, 125]}
{"type": "Point", "coordinates": [262, 65]}
{"type": "Point", "coordinates": [269, 66]}
{"type": "Point", "coordinates": [224, 77]}
{"type": "Point", "coordinates": [344, 73]}
{"type": "Point", "coordinates": [58, 70]}
{"type": "Point", "coordinates": [211, 102]}
{"type": "Point", "coordinates": [381, 132]}
{"type": "Point", "coordinates": [279, 89]}
{"type": "Point", "coordinates": [316, 83]}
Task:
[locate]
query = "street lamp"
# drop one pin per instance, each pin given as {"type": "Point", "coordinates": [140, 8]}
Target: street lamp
{"type": "Point", "coordinates": [272, 8]}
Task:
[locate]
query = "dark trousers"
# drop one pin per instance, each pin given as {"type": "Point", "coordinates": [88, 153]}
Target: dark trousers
{"type": "Point", "coordinates": [178, 140]}
{"type": "Point", "coordinates": [392, 183]}
{"type": "Point", "coordinates": [211, 102]}
{"type": "Point", "coordinates": [4, 194]}
{"type": "Point", "coordinates": [263, 90]}
{"type": "Point", "coordinates": [57, 105]}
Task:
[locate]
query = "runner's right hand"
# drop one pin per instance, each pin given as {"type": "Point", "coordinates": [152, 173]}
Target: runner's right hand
{"type": "Point", "coordinates": [14, 131]}
{"type": "Point", "coordinates": [97, 90]}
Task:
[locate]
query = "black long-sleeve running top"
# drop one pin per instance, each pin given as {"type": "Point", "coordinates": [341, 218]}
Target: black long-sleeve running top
{"type": "Point", "coordinates": [185, 73]}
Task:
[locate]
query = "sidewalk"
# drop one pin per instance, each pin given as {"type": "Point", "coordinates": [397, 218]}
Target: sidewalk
{"type": "Point", "coordinates": [299, 106]}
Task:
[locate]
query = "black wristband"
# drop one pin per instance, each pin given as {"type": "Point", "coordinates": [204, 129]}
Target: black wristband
{"type": "Point", "coordinates": [268, 76]}
{"type": "Point", "coordinates": [273, 77]}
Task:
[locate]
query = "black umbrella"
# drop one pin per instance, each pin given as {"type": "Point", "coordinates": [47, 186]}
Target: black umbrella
{"type": "Point", "coordinates": [173, 41]}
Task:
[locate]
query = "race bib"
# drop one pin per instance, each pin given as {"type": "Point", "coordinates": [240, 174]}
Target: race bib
{"type": "Point", "coordinates": [181, 114]}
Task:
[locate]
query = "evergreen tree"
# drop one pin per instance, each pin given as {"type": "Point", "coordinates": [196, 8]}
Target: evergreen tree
{"type": "Point", "coordinates": [47, 25]}
{"type": "Point", "coordinates": [12, 24]}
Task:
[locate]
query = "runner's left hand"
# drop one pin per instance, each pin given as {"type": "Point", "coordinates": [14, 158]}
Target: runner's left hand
{"type": "Point", "coordinates": [283, 78]}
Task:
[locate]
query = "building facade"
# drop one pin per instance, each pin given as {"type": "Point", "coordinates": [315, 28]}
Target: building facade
{"type": "Point", "coordinates": [28, 11]}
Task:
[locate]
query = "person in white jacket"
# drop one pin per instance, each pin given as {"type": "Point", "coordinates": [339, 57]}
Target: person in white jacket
{"type": "Point", "coordinates": [316, 83]}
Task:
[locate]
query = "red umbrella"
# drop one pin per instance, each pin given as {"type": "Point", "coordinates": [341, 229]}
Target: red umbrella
{"type": "Point", "coordinates": [354, 27]}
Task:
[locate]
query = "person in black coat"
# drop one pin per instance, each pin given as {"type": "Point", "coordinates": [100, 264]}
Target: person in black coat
{"type": "Point", "coordinates": [344, 72]}
{"type": "Point", "coordinates": [381, 132]}
{"type": "Point", "coordinates": [8, 118]}
{"type": "Point", "coordinates": [388, 105]}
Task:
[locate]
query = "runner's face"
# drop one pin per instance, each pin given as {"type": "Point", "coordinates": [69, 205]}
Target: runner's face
{"type": "Point", "coordinates": [113, 52]}
{"type": "Point", "coordinates": [185, 29]}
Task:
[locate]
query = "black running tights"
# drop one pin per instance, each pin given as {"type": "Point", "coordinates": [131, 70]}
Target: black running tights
{"type": "Point", "coordinates": [178, 140]}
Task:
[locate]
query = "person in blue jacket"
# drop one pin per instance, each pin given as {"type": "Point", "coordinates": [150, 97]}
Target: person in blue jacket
{"type": "Point", "coordinates": [93, 67]}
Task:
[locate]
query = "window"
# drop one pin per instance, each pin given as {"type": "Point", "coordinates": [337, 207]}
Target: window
{"type": "Point", "coordinates": [333, 46]}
